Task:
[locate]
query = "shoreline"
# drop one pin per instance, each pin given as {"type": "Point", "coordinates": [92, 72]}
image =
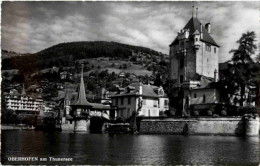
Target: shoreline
{"type": "Point", "coordinates": [15, 127]}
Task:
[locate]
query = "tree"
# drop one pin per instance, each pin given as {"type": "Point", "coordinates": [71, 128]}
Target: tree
{"type": "Point", "coordinates": [258, 58]}
{"type": "Point", "coordinates": [243, 67]}
{"type": "Point", "coordinates": [124, 66]}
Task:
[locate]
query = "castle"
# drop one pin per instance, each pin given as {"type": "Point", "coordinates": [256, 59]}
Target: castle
{"type": "Point", "coordinates": [192, 52]}
{"type": "Point", "coordinates": [194, 64]}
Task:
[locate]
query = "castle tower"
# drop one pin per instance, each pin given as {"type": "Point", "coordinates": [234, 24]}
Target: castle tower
{"type": "Point", "coordinates": [193, 52]}
{"type": "Point", "coordinates": [81, 108]}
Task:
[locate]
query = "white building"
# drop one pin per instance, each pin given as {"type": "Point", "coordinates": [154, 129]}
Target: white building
{"type": "Point", "coordinates": [148, 100]}
{"type": "Point", "coordinates": [23, 104]}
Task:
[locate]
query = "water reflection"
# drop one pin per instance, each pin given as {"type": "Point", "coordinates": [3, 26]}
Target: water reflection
{"type": "Point", "coordinates": [131, 149]}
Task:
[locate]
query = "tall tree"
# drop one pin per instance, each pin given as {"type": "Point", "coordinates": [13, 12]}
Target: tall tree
{"type": "Point", "coordinates": [243, 66]}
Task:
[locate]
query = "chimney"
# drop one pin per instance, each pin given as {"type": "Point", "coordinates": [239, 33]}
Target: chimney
{"type": "Point", "coordinates": [201, 33]}
{"type": "Point", "coordinates": [215, 75]}
{"type": "Point", "coordinates": [208, 27]}
{"type": "Point", "coordinates": [196, 12]}
{"type": "Point", "coordinates": [140, 88]}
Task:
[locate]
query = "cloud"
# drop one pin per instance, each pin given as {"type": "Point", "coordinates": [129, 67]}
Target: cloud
{"type": "Point", "coordinates": [33, 26]}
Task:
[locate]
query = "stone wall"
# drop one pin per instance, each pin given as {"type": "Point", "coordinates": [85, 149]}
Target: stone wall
{"type": "Point", "coordinates": [67, 126]}
{"type": "Point", "coordinates": [201, 126]}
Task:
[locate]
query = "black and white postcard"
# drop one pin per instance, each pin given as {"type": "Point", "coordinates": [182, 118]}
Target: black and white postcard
{"type": "Point", "coordinates": [130, 83]}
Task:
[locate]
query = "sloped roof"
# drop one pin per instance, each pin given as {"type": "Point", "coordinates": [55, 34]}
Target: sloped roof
{"type": "Point", "coordinates": [194, 25]}
{"type": "Point", "coordinates": [205, 83]}
{"type": "Point", "coordinates": [81, 99]}
{"type": "Point", "coordinates": [147, 91]}
{"type": "Point", "coordinates": [100, 106]}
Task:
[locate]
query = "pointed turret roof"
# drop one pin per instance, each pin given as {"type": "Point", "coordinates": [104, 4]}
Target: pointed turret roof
{"type": "Point", "coordinates": [81, 98]}
{"type": "Point", "coordinates": [23, 91]}
{"type": "Point", "coordinates": [66, 96]}
{"type": "Point", "coordinates": [194, 25]}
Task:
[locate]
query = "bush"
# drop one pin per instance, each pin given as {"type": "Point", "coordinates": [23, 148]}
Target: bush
{"type": "Point", "coordinates": [246, 110]}
{"type": "Point", "coordinates": [196, 113]}
{"type": "Point", "coordinates": [169, 112]}
{"type": "Point", "coordinates": [9, 117]}
{"type": "Point", "coordinates": [223, 113]}
{"type": "Point", "coordinates": [209, 112]}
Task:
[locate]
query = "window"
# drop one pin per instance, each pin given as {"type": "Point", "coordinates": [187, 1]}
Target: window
{"type": "Point", "coordinates": [196, 39]}
{"type": "Point", "coordinates": [122, 101]}
{"type": "Point", "coordinates": [182, 45]}
{"type": "Point", "coordinates": [195, 95]}
{"type": "Point", "coordinates": [129, 100]}
{"type": "Point", "coordinates": [144, 102]}
{"type": "Point", "coordinates": [204, 99]}
{"type": "Point", "coordinates": [165, 102]}
{"type": "Point", "coordinates": [181, 63]}
{"type": "Point", "coordinates": [181, 78]}
{"type": "Point", "coordinates": [208, 47]}
{"type": "Point", "coordinates": [155, 103]}
{"type": "Point", "coordinates": [215, 50]}
{"type": "Point", "coordinates": [116, 101]}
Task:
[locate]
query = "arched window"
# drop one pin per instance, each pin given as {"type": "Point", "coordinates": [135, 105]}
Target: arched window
{"type": "Point", "coordinates": [195, 95]}
{"type": "Point", "coordinates": [204, 99]}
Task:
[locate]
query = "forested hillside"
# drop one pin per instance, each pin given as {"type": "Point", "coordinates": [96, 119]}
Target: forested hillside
{"type": "Point", "coordinates": [65, 54]}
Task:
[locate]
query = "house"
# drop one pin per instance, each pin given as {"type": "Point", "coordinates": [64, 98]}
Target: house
{"type": "Point", "coordinates": [121, 75]}
{"type": "Point", "coordinates": [65, 75]}
{"type": "Point", "coordinates": [103, 97]}
{"type": "Point", "coordinates": [147, 100]}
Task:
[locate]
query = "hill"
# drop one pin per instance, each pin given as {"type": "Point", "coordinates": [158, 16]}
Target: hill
{"type": "Point", "coordinates": [8, 54]}
{"type": "Point", "coordinates": [65, 54]}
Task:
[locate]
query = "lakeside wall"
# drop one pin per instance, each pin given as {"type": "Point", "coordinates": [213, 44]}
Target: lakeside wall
{"type": "Point", "coordinates": [248, 126]}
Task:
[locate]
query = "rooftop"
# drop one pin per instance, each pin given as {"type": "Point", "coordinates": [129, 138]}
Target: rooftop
{"type": "Point", "coordinates": [133, 90]}
{"type": "Point", "coordinates": [193, 26]}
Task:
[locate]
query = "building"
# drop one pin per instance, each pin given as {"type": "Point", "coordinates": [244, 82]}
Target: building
{"type": "Point", "coordinates": [65, 75]}
{"type": "Point", "coordinates": [22, 103]}
{"type": "Point", "coordinates": [148, 100]}
{"type": "Point", "coordinates": [104, 97]}
{"type": "Point", "coordinates": [193, 52]}
{"type": "Point", "coordinates": [194, 67]}
{"type": "Point", "coordinates": [77, 114]}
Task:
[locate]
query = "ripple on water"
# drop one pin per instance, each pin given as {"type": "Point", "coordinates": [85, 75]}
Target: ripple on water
{"type": "Point", "coordinates": [132, 149]}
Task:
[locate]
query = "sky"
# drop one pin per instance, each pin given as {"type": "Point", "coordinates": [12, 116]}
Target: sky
{"type": "Point", "coordinates": [29, 27]}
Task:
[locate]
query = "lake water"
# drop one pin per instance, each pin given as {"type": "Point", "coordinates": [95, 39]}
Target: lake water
{"type": "Point", "coordinates": [129, 149]}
